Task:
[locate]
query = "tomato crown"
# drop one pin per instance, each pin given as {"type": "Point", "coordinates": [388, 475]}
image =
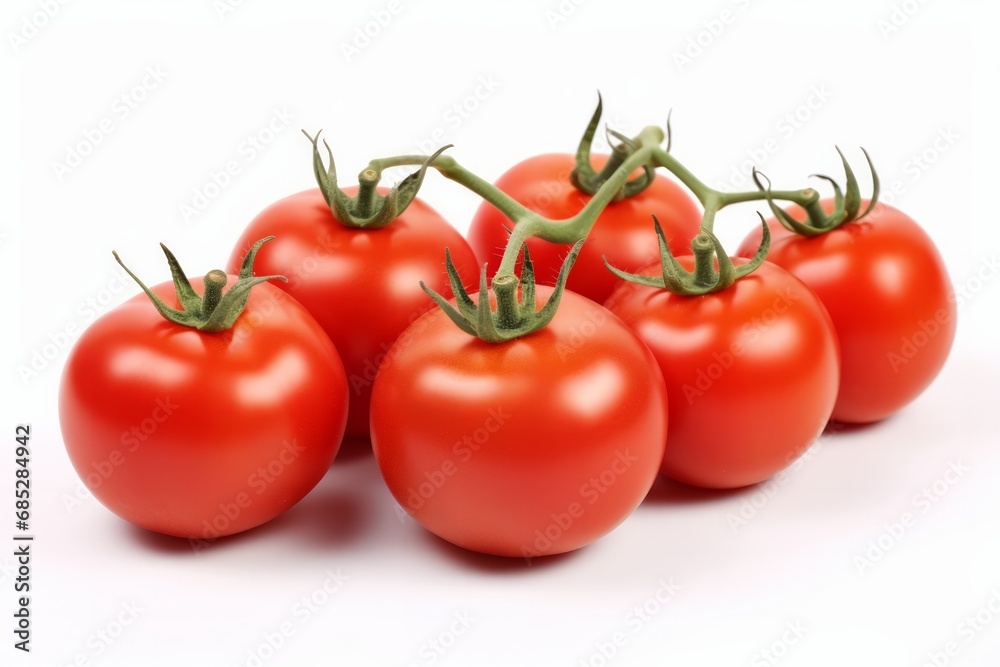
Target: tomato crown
{"type": "Point", "coordinates": [845, 209]}
{"type": "Point", "coordinates": [705, 278]}
{"type": "Point", "coordinates": [214, 310]}
{"type": "Point", "coordinates": [587, 180]}
{"type": "Point", "coordinates": [368, 209]}
{"type": "Point", "coordinates": [513, 317]}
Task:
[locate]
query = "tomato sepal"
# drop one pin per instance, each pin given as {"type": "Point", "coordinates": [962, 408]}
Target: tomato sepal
{"type": "Point", "coordinates": [368, 209]}
{"type": "Point", "coordinates": [713, 270]}
{"type": "Point", "coordinates": [514, 317]}
{"type": "Point", "coordinates": [215, 310]}
{"type": "Point", "coordinates": [588, 180]}
{"type": "Point", "coordinates": [847, 202]}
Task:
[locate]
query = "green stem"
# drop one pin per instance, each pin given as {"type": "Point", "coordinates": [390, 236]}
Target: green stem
{"type": "Point", "coordinates": [578, 227]}
{"type": "Point", "coordinates": [215, 281]}
{"type": "Point", "coordinates": [527, 224]}
{"type": "Point", "coordinates": [704, 260]}
{"type": "Point", "coordinates": [452, 170]}
{"type": "Point", "coordinates": [367, 192]}
{"type": "Point", "coordinates": [803, 198]}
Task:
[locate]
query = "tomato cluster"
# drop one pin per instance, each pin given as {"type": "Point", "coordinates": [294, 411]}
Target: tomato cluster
{"type": "Point", "coordinates": [514, 421]}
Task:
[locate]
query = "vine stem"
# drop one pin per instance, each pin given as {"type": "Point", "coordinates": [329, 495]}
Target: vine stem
{"type": "Point", "coordinates": [527, 224]}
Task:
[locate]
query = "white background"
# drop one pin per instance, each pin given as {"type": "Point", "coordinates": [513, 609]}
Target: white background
{"type": "Point", "coordinates": [738, 589]}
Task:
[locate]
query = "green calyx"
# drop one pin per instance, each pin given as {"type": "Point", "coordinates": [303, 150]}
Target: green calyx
{"type": "Point", "coordinates": [368, 209]}
{"type": "Point", "coordinates": [514, 317]}
{"type": "Point", "coordinates": [846, 204]}
{"type": "Point", "coordinates": [587, 180]}
{"type": "Point", "coordinates": [705, 278]}
{"type": "Point", "coordinates": [215, 310]}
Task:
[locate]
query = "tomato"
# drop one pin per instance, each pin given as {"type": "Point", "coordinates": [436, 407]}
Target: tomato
{"type": "Point", "coordinates": [198, 434]}
{"type": "Point", "coordinates": [622, 231]}
{"type": "Point", "coordinates": [536, 446]}
{"type": "Point", "coordinates": [751, 372]}
{"type": "Point", "coordinates": [890, 299]}
{"type": "Point", "coordinates": [363, 286]}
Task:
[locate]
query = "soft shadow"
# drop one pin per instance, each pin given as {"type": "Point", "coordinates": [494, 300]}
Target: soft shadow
{"type": "Point", "coordinates": [164, 544]}
{"type": "Point", "coordinates": [488, 564]}
{"type": "Point", "coordinates": [841, 428]}
{"type": "Point", "coordinates": [326, 518]}
{"type": "Point", "coordinates": [669, 492]}
{"type": "Point", "coordinates": [353, 449]}
{"type": "Point", "coordinates": [323, 519]}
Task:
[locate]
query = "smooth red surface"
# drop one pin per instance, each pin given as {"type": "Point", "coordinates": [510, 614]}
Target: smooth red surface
{"type": "Point", "coordinates": [751, 373]}
{"type": "Point", "coordinates": [203, 434]}
{"type": "Point", "coordinates": [363, 286]}
{"type": "Point", "coordinates": [623, 231]}
{"type": "Point", "coordinates": [533, 447]}
{"type": "Point", "coordinates": [890, 299]}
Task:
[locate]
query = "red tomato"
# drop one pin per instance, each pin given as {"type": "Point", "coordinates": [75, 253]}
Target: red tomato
{"type": "Point", "coordinates": [890, 299]}
{"type": "Point", "coordinates": [532, 447]}
{"type": "Point", "coordinates": [363, 286]}
{"type": "Point", "coordinates": [199, 434]}
{"type": "Point", "coordinates": [622, 231]}
{"type": "Point", "coordinates": [751, 373]}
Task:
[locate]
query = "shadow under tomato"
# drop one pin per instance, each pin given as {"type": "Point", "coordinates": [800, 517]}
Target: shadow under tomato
{"type": "Point", "coordinates": [326, 518]}
{"type": "Point", "coordinates": [834, 429]}
{"type": "Point", "coordinates": [353, 449]}
{"type": "Point", "coordinates": [489, 564]}
{"type": "Point", "coordinates": [666, 491]}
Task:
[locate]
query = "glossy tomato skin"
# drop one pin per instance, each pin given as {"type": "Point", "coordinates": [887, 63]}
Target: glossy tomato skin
{"type": "Point", "coordinates": [890, 299]}
{"type": "Point", "coordinates": [532, 447]}
{"type": "Point", "coordinates": [363, 286]}
{"type": "Point", "coordinates": [623, 231]}
{"type": "Point", "coordinates": [200, 435]}
{"type": "Point", "coordinates": [751, 373]}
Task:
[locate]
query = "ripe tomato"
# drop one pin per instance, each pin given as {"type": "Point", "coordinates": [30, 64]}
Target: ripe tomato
{"type": "Point", "coordinates": [536, 446]}
{"type": "Point", "coordinates": [890, 299]}
{"type": "Point", "coordinates": [751, 372]}
{"type": "Point", "coordinates": [362, 286]}
{"type": "Point", "coordinates": [621, 233]}
{"type": "Point", "coordinates": [199, 434]}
